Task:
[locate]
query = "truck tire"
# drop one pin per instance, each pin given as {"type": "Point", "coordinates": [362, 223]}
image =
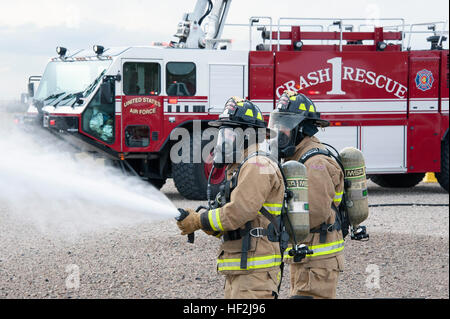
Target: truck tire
{"type": "Point", "coordinates": [191, 179]}
{"type": "Point", "coordinates": [397, 180]}
{"type": "Point", "coordinates": [443, 176]}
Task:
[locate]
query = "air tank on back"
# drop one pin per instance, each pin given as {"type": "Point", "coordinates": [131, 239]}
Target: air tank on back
{"type": "Point", "coordinates": [356, 184]}
{"type": "Point", "coordinates": [298, 208]}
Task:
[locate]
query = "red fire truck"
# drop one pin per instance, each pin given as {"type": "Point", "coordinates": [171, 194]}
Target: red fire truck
{"type": "Point", "coordinates": [380, 96]}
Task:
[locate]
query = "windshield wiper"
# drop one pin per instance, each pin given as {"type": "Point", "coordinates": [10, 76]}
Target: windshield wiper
{"type": "Point", "coordinates": [78, 96]}
{"type": "Point", "coordinates": [90, 87]}
{"type": "Point", "coordinates": [56, 102]}
{"type": "Point", "coordinates": [69, 96]}
{"type": "Point", "coordinates": [53, 96]}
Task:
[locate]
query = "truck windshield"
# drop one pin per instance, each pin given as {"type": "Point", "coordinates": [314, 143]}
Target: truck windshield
{"type": "Point", "coordinates": [67, 77]}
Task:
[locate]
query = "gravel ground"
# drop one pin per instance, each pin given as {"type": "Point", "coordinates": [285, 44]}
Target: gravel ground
{"type": "Point", "coordinates": [407, 256]}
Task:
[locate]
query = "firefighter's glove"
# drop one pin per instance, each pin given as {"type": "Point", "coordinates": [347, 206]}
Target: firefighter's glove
{"type": "Point", "coordinates": [191, 223]}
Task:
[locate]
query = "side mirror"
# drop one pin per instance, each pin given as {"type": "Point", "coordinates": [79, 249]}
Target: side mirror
{"type": "Point", "coordinates": [31, 89]}
{"type": "Point", "coordinates": [107, 92]}
{"type": "Point", "coordinates": [24, 98]}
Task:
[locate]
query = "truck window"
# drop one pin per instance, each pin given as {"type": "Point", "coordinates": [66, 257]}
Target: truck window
{"type": "Point", "coordinates": [180, 79]}
{"type": "Point", "coordinates": [141, 78]}
{"type": "Point", "coordinates": [137, 136]}
{"type": "Point", "coordinates": [98, 119]}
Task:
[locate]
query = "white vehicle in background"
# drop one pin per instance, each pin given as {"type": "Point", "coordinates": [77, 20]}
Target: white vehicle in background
{"type": "Point", "coordinates": [29, 116]}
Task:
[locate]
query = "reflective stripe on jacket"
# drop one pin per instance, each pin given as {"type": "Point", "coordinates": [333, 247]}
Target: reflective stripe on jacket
{"type": "Point", "coordinates": [214, 215]}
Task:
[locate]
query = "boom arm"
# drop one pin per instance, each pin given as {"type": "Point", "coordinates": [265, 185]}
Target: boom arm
{"type": "Point", "coordinates": [216, 22]}
{"type": "Point", "coordinates": [191, 34]}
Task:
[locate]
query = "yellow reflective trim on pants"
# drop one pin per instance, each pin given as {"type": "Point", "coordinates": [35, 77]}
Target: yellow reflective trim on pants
{"type": "Point", "coordinates": [214, 219]}
{"type": "Point", "coordinates": [252, 263]}
{"type": "Point", "coordinates": [320, 250]}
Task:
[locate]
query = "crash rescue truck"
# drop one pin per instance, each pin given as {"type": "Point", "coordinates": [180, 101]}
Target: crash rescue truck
{"type": "Point", "coordinates": [382, 97]}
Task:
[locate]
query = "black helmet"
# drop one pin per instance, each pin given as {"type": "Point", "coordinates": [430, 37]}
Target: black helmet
{"type": "Point", "coordinates": [300, 104]}
{"type": "Point", "coordinates": [294, 118]}
{"type": "Point", "coordinates": [240, 112]}
{"type": "Point", "coordinates": [238, 115]}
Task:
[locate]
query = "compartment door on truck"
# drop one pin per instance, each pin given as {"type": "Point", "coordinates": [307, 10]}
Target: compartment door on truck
{"type": "Point", "coordinates": [142, 105]}
{"type": "Point", "coordinates": [424, 144]}
{"type": "Point", "coordinates": [225, 81]}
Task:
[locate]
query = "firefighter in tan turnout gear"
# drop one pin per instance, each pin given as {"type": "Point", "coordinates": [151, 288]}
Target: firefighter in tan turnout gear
{"type": "Point", "coordinates": [249, 202]}
{"type": "Point", "coordinates": [296, 120]}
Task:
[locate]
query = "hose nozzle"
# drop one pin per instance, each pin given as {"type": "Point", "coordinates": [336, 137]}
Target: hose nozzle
{"type": "Point", "coordinates": [183, 214]}
{"type": "Point", "coordinates": [299, 252]}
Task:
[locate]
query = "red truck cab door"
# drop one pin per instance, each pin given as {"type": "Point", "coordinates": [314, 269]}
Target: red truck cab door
{"type": "Point", "coordinates": [141, 105]}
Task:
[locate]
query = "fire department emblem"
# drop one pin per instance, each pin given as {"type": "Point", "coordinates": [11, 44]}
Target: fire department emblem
{"type": "Point", "coordinates": [424, 80]}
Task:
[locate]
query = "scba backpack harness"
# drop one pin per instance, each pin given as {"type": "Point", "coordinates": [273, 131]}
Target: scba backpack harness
{"type": "Point", "coordinates": [342, 220]}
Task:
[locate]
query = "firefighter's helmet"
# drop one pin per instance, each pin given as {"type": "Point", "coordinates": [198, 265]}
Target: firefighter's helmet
{"type": "Point", "coordinates": [294, 118]}
{"type": "Point", "coordinates": [240, 112]}
{"type": "Point", "coordinates": [300, 104]}
{"type": "Point", "coordinates": [238, 115]}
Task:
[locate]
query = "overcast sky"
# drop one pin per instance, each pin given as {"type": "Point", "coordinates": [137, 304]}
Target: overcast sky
{"type": "Point", "coordinates": [31, 30]}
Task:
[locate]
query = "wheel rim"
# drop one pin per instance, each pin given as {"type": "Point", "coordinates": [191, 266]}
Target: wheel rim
{"type": "Point", "coordinates": [219, 173]}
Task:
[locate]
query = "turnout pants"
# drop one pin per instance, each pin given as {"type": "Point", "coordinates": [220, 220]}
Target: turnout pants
{"type": "Point", "coordinates": [256, 285]}
{"type": "Point", "coordinates": [313, 281]}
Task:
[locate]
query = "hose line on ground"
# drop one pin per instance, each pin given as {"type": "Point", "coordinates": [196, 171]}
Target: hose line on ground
{"type": "Point", "coordinates": [406, 204]}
